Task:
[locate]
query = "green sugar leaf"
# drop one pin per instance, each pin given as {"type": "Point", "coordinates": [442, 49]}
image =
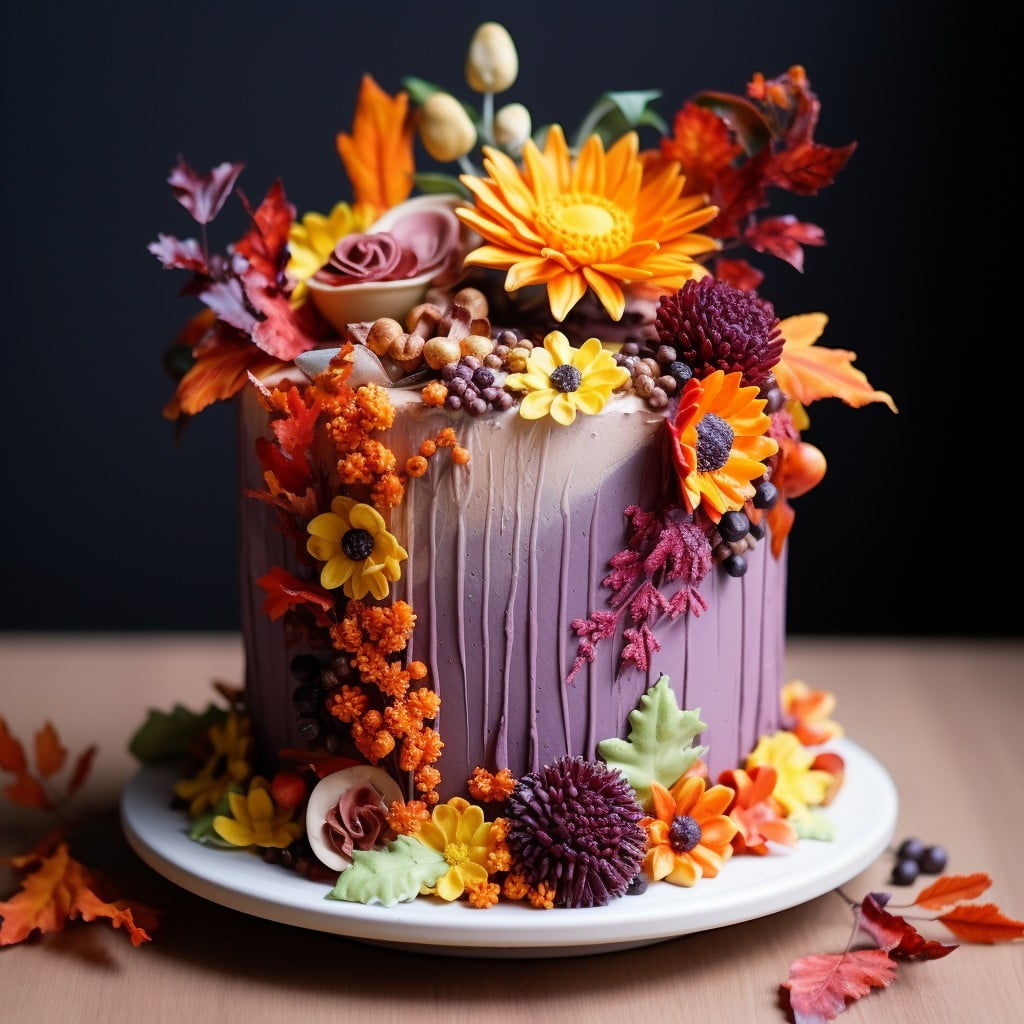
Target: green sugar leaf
{"type": "Point", "coordinates": [164, 735]}
{"type": "Point", "coordinates": [660, 744]}
{"type": "Point", "coordinates": [813, 825]}
{"type": "Point", "coordinates": [389, 876]}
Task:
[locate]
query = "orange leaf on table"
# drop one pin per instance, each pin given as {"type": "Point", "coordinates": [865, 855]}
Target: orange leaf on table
{"type": "Point", "coordinates": [951, 889]}
{"type": "Point", "coordinates": [982, 923]}
{"type": "Point", "coordinates": [82, 768]}
{"type": "Point", "coordinates": [806, 373]}
{"type": "Point", "coordinates": [820, 986]}
{"type": "Point", "coordinates": [27, 791]}
{"type": "Point", "coordinates": [378, 155]}
{"type": "Point", "coordinates": [50, 755]}
{"type": "Point", "coordinates": [59, 890]}
{"type": "Point", "coordinates": [12, 754]}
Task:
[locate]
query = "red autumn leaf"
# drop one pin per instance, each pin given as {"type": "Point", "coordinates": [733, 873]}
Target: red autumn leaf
{"type": "Point", "coordinates": [808, 167]}
{"type": "Point", "coordinates": [784, 237]}
{"type": "Point", "coordinates": [292, 475]}
{"type": "Point", "coordinates": [26, 791]}
{"type": "Point", "coordinates": [82, 768]}
{"type": "Point", "coordinates": [50, 755]}
{"type": "Point", "coordinates": [265, 244]}
{"type": "Point", "coordinates": [279, 332]}
{"type": "Point", "coordinates": [739, 273]}
{"type": "Point", "coordinates": [703, 145]}
{"type": "Point", "coordinates": [58, 891]}
{"type": "Point", "coordinates": [895, 936]}
{"type": "Point", "coordinates": [951, 889]}
{"type": "Point", "coordinates": [285, 591]}
{"type": "Point", "coordinates": [12, 754]}
{"type": "Point", "coordinates": [179, 254]}
{"type": "Point", "coordinates": [203, 195]}
{"type": "Point", "coordinates": [296, 431]}
{"type": "Point", "coordinates": [985, 922]}
{"type": "Point", "coordinates": [820, 986]}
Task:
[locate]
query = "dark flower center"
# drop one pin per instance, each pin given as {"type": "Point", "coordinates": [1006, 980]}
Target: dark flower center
{"type": "Point", "coordinates": [714, 443]}
{"type": "Point", "coordinates": [683, 834]}
{"type": "Point", "coordinates": [566, 378]}
{"type": "Point", "coordinates": [357, 544]}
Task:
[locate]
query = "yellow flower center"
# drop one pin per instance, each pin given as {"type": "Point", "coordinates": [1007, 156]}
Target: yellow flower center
{"type": "Point", "coordinates": [456, 853]}
{"type": "Point", "coordinates": [586, 228]}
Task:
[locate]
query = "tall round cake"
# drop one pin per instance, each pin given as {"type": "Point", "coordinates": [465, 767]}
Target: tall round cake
{"type": "Point", "coordinates": [517, 458]}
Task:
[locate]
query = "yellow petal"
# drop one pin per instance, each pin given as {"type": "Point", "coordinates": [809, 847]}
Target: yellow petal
{"type": "Point", "coordinates": [557, 344]}
{"type": "Point", "coordinates": [328, 526]}
{"type": "Point", "coordinates": [563, 409]}
{"type": "Point", "coordinates": [336, 572]}
{"type": "Point", "coordinates": [449, 885]}
{"type": "Point", "coordinates": [366, 517]}
{"type": "Point", "coordinates": [322, 550]}
{"type": "Point", "coordinates": [536, 404]}
{"type": "Point", "coordinates": [232, 832]}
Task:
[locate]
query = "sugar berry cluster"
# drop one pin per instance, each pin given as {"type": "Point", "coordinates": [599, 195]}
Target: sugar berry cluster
{"type": "Point", "coordinates": [914, 858]}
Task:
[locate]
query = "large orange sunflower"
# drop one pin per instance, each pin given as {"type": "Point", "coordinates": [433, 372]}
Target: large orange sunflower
{"type": "Point", "coordinates": [719, 442]}
{"type": "Point", "coordinates": [593, 222]}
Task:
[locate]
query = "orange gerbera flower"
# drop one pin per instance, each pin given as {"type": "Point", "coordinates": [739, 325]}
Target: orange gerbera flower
{"type": "Point", "coordinates": [720, 442]}
{"type": "Point", "coordinates": [596, 222]}
{"type": "Point", "coordinates": [688, 837]}
{"type": "Point", "coordinates": [757, 814]}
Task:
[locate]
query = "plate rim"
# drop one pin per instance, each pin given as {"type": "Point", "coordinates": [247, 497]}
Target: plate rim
{"type": "Point", "coordinates": [864, 814]}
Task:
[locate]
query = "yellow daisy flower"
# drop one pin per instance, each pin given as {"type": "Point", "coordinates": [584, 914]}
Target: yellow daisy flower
{"type": "Point", "coordinates": [228, 763]}
{"type": "Point", "coordinates": [594, 222]}
{"type": "Point", "coordinates": [255, 821]}
{"type": "Point", "coordinates": [457, 830]}
{"type": "Point", "coordinates": [312, 240]}
{"type": "Point", "coordinates": [798, 786]}
{"type": "Point", "coordinates": [719, 435]}
{"type": "Point", "coordinates": [560, 379]}
{"type": "Point", "coordinates": [358, 553]}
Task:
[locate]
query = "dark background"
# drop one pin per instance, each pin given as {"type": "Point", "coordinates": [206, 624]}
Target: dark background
{"type": "Point", "coordinates": [110, 524]}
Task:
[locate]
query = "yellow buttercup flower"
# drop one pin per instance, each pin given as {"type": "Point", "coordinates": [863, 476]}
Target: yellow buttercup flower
{"type": "Point", "coordinates": [358, 553]}
{"type": "Point", "coordinates": [561, 380]}
{"type": "Point", "coordinates": [255, 821]}
{"type": "Point", "coordinates": [594, 222]}
{"type": "Point", "coordinates": [312, 240]}
{"type": "Point", "coordinates": [799, 786]}
{"type": "Point", "coordinates": [458, 832]}
{"type": "Point", "coordinates": [227, 764]}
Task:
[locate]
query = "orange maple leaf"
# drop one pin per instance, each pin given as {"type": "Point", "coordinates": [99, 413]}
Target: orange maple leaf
{"type": "Point", "coordinates": [378, 155]}
{"type": "Point", "coordinates": [50, 754]}
{"type": "Point", "coordinates": [12, 754]}
{"type": "Point", "coordinates": [951, 889]}
{"type": "Point", "coordinates": [806, 373]}
{"type": "Point", "coordinates": [27, 791]}
{"type": "Point", "coordinates": [984, 922]}
{"type": "Point", "coordinates": [61, 890]}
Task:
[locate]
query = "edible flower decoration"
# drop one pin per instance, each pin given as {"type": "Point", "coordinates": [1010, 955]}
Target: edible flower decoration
{"type": "Point", "coordinates": [756, 813]}
{"type": "Point", "coordinates": [227, 764]}
{"type": "Point", "coordinates": [312, 240]}
{"type": "Point", "coordinates": [256, 821]}
{"type": "Point", "coordinates": [595, 222]}
{"type": "Point", "coordinates": [720, 441]}
{"type": "Point", "coordinates": [560, 380]}
{"type": "Point", "coordinates": [810, 712]}
{"type": "Point", "coordinates": [358, 553]}
{"type": "Point", "coordinates": [458, 832]}
{"type": "Point", "coordinates": [689, 836]}
{"type": "Point", "coordinates": [800, 785]}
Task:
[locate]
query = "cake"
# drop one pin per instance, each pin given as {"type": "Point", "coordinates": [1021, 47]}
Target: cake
{"type": "Point", "coordinates": [517, 454]}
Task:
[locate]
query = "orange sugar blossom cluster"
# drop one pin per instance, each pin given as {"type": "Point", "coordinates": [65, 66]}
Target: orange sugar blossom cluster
{"type": "Point", "coordinates": [417, 465]}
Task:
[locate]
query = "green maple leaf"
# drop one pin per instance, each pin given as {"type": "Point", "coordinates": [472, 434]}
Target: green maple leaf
{"type": "Point", "coordinates": [813, 825]}
{"type": "Point", "coordinates": [660, 744]}
{"type": "Point", "coordinates": [389, 876]}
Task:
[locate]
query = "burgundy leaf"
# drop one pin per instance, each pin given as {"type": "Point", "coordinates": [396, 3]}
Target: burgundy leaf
{"type": "Point", "coordinates": [808, 167]}
{"type": "Point", "coordinates": [265, 244]}
{"type": "Point", "coordinates": [179, 254]}
{"type": "Point", "coordinates": [227, 300]}
{"type": "Point", "coordinates": [784, 237]}
{"type": "Point", "coordinates": [203, 195]}
{"type": "Point", "coordinates": [896, 936]}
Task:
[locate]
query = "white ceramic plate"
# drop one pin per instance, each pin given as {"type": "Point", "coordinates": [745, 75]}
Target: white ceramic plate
{"type": "Point", "coordinates": [864, 815]}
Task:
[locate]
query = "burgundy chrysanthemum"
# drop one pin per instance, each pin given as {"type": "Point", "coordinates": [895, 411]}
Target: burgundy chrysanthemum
{"type": "Point", "coordinates": [714, 326]}
{"type": "Point", "coordinates": [575, 825]}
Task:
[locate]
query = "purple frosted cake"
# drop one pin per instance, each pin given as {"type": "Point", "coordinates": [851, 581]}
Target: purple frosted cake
{"type": "Point", "coordinates": [517, 458]}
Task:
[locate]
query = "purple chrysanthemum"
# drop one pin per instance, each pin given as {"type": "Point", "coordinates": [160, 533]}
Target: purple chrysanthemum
{"type": "Point", "coordinates": [714, 326]}
{"type": "Point", "coordinates": [575, 825]}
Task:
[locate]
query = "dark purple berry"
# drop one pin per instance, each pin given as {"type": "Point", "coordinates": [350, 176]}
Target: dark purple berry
{"type": "Point", "coordinates": [774, 399]}
{"type": "Point", "coordinates": [910, 849]}
{"type": "Point", "coordinates": [756, 530]}
{"type": "Point", "coordinates": [766, 495]}
{"type": "Point", "coordinates": [638, 885]}
{"type": "Point", "coordinates": [453, 402]}
{"type": "Point", "coordinates": [933, 861]}
{"type": "Point", "coordinates": [734, 526]}
{"type": "Point", "coordinates": [735, 566]}
{"type": "Point", "coordinates": [307, 699]}
{"type": "Point", "coordinates": [483, 378]}
{"type": "Point", "coordinates": [305, 668]}
{"type": "Point", "coordinates": [905, 872]}
{"type": "Point", "coordinates": [309, 729]}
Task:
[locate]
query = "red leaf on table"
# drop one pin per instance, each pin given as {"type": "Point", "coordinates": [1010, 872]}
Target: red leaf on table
{"type": "Point", "coordinates": [897, 937]}
{"type": "Point", "coordinates": [82, 768]}
{"type": "Point", "coordinates": [982, 923]}
{"type": "Point", "coordinates": [203, 195]}
{"type": "Point", "coordinates": [50, 755]}
{"type": "Point", "coordinates": [951, 889]}
{"type": "Point", "coordinates": [820, 986]}
{"type": "Point", "coordinates": [26, 791]}
{"type": "Point", "coordinates": [12, 754]}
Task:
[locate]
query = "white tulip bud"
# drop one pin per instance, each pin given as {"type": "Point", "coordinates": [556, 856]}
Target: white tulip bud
{"type": "Point", "coordinates": [512, 126]}
{"type": "Point", "coordinates": [492, 62]}
{"type": "Point", "coordinates": [445, 127]}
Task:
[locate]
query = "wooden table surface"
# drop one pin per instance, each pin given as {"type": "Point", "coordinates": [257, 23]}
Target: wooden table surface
{"type": "Point", "coordinates": [944, 717]}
